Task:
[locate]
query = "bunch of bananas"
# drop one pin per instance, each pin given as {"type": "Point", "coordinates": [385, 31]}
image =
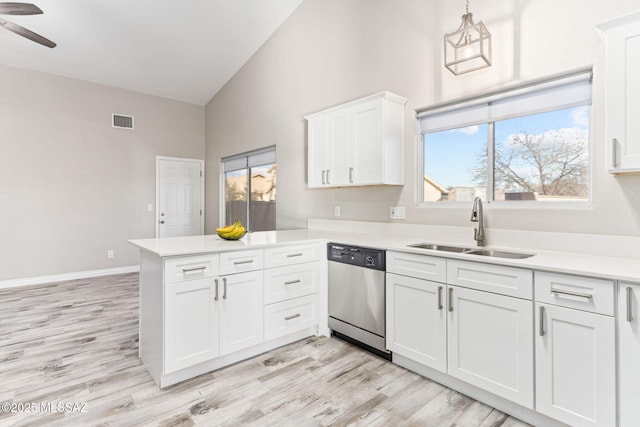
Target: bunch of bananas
{"type": "Point", "coordinates": [234, 231]}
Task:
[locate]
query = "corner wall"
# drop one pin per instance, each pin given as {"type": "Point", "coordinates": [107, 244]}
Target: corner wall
{"type": "Point", "coordinates": [332, 51]}
{"type": "Point", "coordinates": [71, 186]}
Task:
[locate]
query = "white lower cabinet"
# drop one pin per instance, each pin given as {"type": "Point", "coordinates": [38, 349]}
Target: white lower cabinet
{"type": "Point", "coordinates": [207, 318]}
{"type": "Point", "coordinates": [629, 354]}
{"type": "Point", "coordinates": [191, 324]}
{"type": "Point", "coordinates": [241, 307]}
{"type": "Point", "coordinates": [575, 350]}
{"type": "Point", "coordinates": [482, 338]}
{"type": "Point", "coordinates": [491, 342]}
{"type": "Point", "coordinates": [417, 321]}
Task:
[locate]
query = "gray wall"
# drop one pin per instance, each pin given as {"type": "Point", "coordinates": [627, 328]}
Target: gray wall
{"type": "Point", "coordinates": [332, 51]}
{"type": "Point", "coordinates": [71, 186]}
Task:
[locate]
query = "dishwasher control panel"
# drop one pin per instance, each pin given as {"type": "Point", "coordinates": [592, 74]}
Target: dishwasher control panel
{"type": "Point", "coordinates": [357, 255]}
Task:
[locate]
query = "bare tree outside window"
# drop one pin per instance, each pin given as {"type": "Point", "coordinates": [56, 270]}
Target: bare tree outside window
{"type": "Point", "coordinates": [553, 164]}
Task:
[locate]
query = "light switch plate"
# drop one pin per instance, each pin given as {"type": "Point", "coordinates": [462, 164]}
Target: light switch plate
{"type": "Point", "coordinates": [397, 212]}
{"type": "Point", "coordinates": [336, 210]}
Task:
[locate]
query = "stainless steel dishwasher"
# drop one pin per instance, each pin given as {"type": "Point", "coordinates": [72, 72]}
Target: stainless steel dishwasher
{"type": "Point", "coordinates": [357, 296]}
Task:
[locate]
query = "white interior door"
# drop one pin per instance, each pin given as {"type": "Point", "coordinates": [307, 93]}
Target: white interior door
{"type": "Point", "coordinates": [179, 197]}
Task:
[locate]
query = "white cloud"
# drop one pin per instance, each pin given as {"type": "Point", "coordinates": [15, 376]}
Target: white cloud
{"type": "Point", "coordinates": [580, 116]}
{"type": "Point", "coordinates": [469, 130]}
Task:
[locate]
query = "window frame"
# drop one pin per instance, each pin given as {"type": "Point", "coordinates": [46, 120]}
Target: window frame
{"type": "Point", "coordinates": [457, 106]}
{"type": "Point", "coordinates": [247, 160]}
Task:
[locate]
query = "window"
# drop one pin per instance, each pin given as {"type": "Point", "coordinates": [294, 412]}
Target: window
{"type": "Point", "coordinates": [528, 143]}
{"type": "Point", "coordinates": [250, 189]}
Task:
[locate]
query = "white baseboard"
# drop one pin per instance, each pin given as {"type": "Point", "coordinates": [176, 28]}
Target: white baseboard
{"type": "Point", "coordinates": [38, 280]}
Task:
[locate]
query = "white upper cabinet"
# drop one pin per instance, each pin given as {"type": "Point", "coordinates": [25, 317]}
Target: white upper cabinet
{"type": "Point", "coordinates": [623, 93]}
{"type": "Point", "coordinates": [358, 143]}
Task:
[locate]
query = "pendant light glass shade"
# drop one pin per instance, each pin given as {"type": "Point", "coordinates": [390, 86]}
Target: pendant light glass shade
{"type": "Point", "coordinates": [468, 48]}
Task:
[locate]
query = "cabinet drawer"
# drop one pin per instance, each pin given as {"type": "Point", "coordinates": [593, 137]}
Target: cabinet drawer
{"type": "Point", "coordinates": [190, 267]}
{"type": "Point", "coordinates": [286, 317]}
{"type": "Point", "coordinates": [240, 261]}
{"type": "Point", "coordinates": [293, 281]}
{"type": "Point", "coordinates": [515, 282]}
{"type": "Point", "coordinates": [419, 266]}
{"type": "Point", "coordinates": [582, 293]}
{"type": "Point", "coordinates": [288, 255]}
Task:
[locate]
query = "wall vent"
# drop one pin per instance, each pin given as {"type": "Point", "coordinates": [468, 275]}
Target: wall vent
{"type": "Point", "coordinates": [121, 121]}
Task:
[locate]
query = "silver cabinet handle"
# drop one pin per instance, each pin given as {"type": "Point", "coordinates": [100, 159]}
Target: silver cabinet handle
{"type": "Point", "coordinates": [541, 321]}
{"type": "Point", "coordinates": [216, 297]}
{"type": "Point", "coordinates": [224, 292]}
{"type": "Point", "coordinates": [324, 173]}
{"type": "Point", "coordinates": [571, 293]}
{"type": "Point", "coordinates": [351, 175]}
{"type": "Point", "coordinates": [450, 299]}
{"type": "Point", "coordinates": [629, 304]}
{"type": "Point", "coordinates": [328, 170]}
{"type": "Point", "coordinates": [292, 282]}
{"type": "Point", "coordinates": [439, 297]}
{"type": "Point", "coordinates": [614, 153]}
{"type": "Point", "coordinates": [293, 316]}
{"type": "Point", "coordinates": [192, 269]}
{"type": "Point", "coordinates": [247, 261]}
{"type": "Point", "coordinates": [294, 255]}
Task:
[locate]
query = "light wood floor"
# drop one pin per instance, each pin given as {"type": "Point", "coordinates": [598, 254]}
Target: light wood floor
{"type": "Point", "coordinates": [75, 343]}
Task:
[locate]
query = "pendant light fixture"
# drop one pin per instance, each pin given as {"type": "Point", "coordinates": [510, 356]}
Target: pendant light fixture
{"type": "Point", "coordinates": [469, 47]}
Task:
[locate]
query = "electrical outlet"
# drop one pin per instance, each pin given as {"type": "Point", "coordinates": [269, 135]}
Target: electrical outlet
{"type": "Point", "coordinates": [336, 210]}
{"type": "Point", "coordinates": [397, 212]}
{"type": "Point", "coordinates": [110, 253]}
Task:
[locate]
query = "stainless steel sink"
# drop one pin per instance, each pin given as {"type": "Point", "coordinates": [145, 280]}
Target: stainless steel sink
{"type": "Point", "coordinates": [435, 247]}
{"type": "Point", "coordinates": [471, 251]}
{"type": "Point", "coordinates": [498, 254]}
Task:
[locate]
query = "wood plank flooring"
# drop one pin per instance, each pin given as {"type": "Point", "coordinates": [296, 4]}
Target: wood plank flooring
{"type": "Point", "coordinates": [76, 343]}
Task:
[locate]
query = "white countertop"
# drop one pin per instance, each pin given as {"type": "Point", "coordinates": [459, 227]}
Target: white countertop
{"type": "Point", "coordinates": [619, 268]}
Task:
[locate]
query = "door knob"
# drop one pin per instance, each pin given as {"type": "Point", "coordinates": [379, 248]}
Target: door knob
{"type": "Point", "coordinates": [161, 213]}
{"type": "Point", "coordinates": [162, 221]}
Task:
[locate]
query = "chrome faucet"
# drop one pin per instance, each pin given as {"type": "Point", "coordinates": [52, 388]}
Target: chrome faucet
{"type": "Point", "coordinates": [476, 216]}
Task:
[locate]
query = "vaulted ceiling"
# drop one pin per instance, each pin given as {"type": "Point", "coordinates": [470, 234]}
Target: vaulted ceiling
{"type": "Point", "coordinates": [183, 50]}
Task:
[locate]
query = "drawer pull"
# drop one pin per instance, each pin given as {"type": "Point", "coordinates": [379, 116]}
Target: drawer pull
{"type": "Point", "coordinates": [294, 255]}
{"type": "Point", "coordinates": [246, 261]}
{"type": "Point", "coordinates": [541, 321]}
{"type": "Point", "coordinates": [571, 293]}
{"type": "Point", "coordinates": [224, 283]}
{"type": "Point", "coordinates": [439, 297]}
{"type": "Point", "coordinates": [293, 316]}
{"type": "Point", "coordinates": [450, 299]}
{"type": "Point", "coordinates": [292, 282]}
{"type": "Point", "coordinates": [216, 297]}
{"type": "Point", "coordinates": [629, 306]}
{"type": "Point", "coordinates": [194, 269]}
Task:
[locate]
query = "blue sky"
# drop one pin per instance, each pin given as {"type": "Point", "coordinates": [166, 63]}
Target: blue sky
{"type": "Point", "coordinates": [449, 155]}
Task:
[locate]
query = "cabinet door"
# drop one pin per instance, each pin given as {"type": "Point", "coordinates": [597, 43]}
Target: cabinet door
{"type": "Point", "coordinates": [491, 342]}
{"type": "Point", "coordinates": [241, 311]}
{"type": "Point", "coordinates": [623, 95]}
{"type": "Point", "coordinates": [575, 366]}
{"type": "Point", "coordinates": [365, 157]}
{"type": "Point", "coordinates": [629, 354]}
{"type": "Point", "coordinates": [337, 127]}
{"type": "Point", "coordinates": [191, 324]}
{"type": "Point", "coordinates": [319, 152]}
{"type": "Point", "coordinates": [416, 320]}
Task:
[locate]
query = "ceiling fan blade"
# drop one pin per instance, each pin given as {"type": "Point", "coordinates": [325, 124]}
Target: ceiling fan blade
{"type": "Point", "coordinates": [26, 33]}
{"type": "Point", "coordinates": [19, 9]}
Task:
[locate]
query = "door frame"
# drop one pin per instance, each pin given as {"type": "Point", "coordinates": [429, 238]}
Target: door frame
{"type": "Point", "coordinates": [179, 159]}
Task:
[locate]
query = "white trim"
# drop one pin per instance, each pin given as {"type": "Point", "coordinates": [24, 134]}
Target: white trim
{"type": "Point", "coordinates": [202, 192]}
{"type": "Point", "coordinates": [38, 280]}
